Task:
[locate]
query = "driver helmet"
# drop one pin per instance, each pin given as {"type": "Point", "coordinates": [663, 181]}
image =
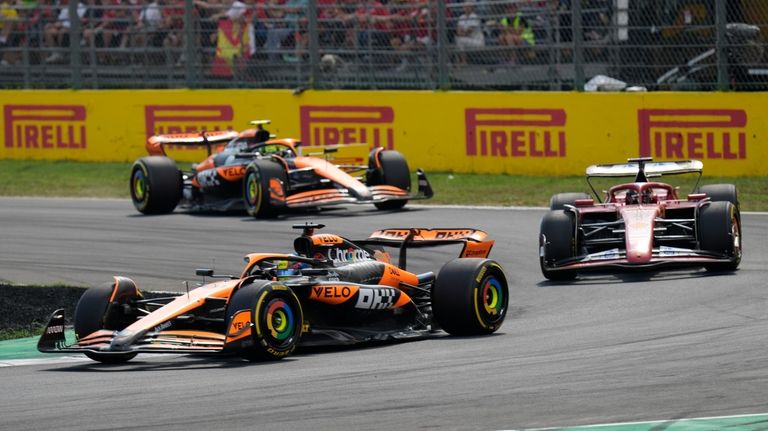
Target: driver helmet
{"type": "Point", "coordinates": [630, 198]}
{"type": "Point", "coordinates": [286, 268]}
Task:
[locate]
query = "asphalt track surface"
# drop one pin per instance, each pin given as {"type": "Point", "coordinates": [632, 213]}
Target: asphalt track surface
{"type": "Point", "coordinates": [604, 349]}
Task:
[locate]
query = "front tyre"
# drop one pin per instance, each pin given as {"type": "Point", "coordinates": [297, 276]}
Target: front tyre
{"type": "Point", "coordinates": [264, 179]}
{"type": "Point", "coordinates": [556, 239]}
{"type": "Point", "coordinates": [387, 167]}
{"type": "Point", "coordinates": [156, 185]}
{"type": "Point", "coordinates": [719, 231]}
{"type": "Point", "coordinates": [107, 306]}
{"type": "Point", "coordinates": [470, 297]}
{"type": "Point", "coordinates": [276, 317]}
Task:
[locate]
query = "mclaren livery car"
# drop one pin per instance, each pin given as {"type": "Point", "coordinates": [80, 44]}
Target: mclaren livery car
{"type": "Point", "coordinates": [330, 291]}
{"type": "Point", "coordinates": [641, 224]}
{"type": "Point", "coordinates": [266, 176]}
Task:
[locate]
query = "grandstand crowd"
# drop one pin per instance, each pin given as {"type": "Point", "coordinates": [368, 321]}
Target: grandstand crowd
{"type": "Point", "coordinates": [277, 30]}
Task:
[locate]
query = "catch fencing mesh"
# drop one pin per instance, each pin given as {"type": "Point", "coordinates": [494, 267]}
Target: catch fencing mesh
{"type": "Point", "coordinates": [392, 44]}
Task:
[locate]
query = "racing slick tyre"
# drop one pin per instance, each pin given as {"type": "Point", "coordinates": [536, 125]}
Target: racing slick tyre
{"type": "Point", "coordinates": [389, 168]}
{"type": "Point", "coordinates": [156, 185]}
{"type": "Point", "coordinates": [107, 306]}
{"type": "Point", "coordinates": [560, 200]}
{"type": "Point", "coordinates": [274, 315]}
{"type": "Point", "coordinates": [719, 231]}
{"type": "Point", "coordinates": [263, 178]}
{"type": "Point", "coordinates": [721, 192]}
{"type": "Point", "coordinates": [556, 243]}
{"type": "Point", "coordinates": [470, 297]}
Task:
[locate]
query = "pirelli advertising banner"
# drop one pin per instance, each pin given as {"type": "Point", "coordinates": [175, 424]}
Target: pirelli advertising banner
{"type": "Point", "coordinates": [541, 133]}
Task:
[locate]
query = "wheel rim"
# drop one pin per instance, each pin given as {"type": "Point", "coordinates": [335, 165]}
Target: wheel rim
{"type": "Point", "coordinates": [252, 192]}
{"type": "Point", "coordinates": [139, 183]}
{"type": "Point", "coordinates": [281, 323]}
{"type": "Point", "coordinates": [736, 235]}
{"type": "Point", "coordinates": [492, 299]}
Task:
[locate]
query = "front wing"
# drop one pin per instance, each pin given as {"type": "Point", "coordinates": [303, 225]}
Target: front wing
{"type": "Point", "coordinates": [335, 196]}
{"type": "Point", "coordinates": [108, 342]}
{"type": "Point", "coordinates": [616, 259]}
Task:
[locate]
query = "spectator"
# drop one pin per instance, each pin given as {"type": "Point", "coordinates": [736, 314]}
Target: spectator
{"type": "Point", "coordinates": [118, 21]}
{"type": "Point", "coordinates": [469, 31]}
{"type": "Point", "coordinates": [173, 27]}
{"type": "Point", "coordinates": [516, 32]}
{"type": "Point", "coordinates": [9, 37]}
{"type": "Point", "coordinates": [207, 11]}
{"type": "Point", "coordinates": [333, 27]}
{"type": "Point", "coordinates": [147, 30]}
{"type": "Point", "coordinates": [403, 35]}
{"type": "Point", "coordinates": [374, 22]}
{"type": "Point", "coordinates": [277, 29]}
{"type": "Point", "coordinates": [56, 34]}
{"type": "Point", "coordinates": [93, 24]}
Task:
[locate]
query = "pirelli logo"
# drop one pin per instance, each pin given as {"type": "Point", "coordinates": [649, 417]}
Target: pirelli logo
{"type": "Point", "coordinates": [45, 126]}
{"type": "Point", "coordinates": [335, 125]}
{"type": "Point", "coordinates": [515, 132]}
{"type": "Point", "coordinates": [172, 119]}
{"type": "Point", "coordinates": [692, 133]}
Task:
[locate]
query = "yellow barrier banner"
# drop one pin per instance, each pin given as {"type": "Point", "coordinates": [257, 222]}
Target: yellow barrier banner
{"type": "Point", "coordinates": [517, 133]}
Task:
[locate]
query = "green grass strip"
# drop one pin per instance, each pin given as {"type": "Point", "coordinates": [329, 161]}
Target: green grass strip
{"type": "Point", "coordinates": [110, 180]}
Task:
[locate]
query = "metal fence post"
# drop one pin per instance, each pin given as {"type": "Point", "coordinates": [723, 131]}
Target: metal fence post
{"type": "Point", "coordinates": [74, 45]}
{"type": "Point", "coordinates": [189, 45]}
{"type": "Point", "coordinates": [578, 46]}
{"type": "Point", "coordinates": [442, 47]}
{"type": "Point", "coordinates": [721, 45]}
{"type": "Point", "coordinates": [314, 44]}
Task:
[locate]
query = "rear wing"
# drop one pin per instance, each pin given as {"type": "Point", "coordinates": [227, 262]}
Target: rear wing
{"type": "Point", "coordinates": [643, 167]}
{"type": "Point", "coordinates": [156, 144]}
{"type": "Point", "coordinates": [475, 242]}
{"type": "Point", "coordinates": [634, 166]}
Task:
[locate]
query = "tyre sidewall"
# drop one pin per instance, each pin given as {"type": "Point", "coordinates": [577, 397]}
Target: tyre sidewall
{"type": "Point", "coordinates": [470, 297]}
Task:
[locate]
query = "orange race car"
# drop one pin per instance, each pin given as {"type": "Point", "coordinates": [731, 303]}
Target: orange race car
{"type": "Point", "coordinates": [266, 176]}
{"type": "Point", "coordinates": [331, 290]}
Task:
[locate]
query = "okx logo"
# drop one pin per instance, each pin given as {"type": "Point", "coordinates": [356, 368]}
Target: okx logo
{"type": "Point", "coordinates": [45, 126]}
{"type": "Point", "coordinates": [334, 125]}
{"type": "Point", "coordinates": [515, 132]}
{"type": "Point", "coordinates": [172, 119]}
{"type": "Point", "coordinates": [692, 133]}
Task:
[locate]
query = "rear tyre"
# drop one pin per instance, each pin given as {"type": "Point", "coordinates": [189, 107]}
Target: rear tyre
{"type": "Point", "coordinates": [560, 200]}
{"type": "Point", "coordinates": [470, 297]}
{"type": "Point", "coordinates": [719, 231]}
{"type": "Point", "coordinates": [263, 180]}
{"type": "Point", "coordinates": [156, 185]}
{"type": "Point", "coordinates": [276, 317]}
{"type": "Point", "coordinates": [721, 192]}
{"type": "Point", "coordinates": [107, 306]}
{"type": "Point", "coordinates": [556, 241]}
{"type": "Point", "coordinates": [391, 170]}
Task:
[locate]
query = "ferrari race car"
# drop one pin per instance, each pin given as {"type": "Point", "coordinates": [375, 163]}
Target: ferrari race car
{"type": "Point", "coordinates": [266, 176]}
{"type": "Point", "coordinates": [642, 224]}
{"type": "Point", "coordinates": [332, 290]}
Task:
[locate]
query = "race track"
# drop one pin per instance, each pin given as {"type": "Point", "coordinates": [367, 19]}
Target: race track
{"type": "Point", "coordinates": [669, 345]}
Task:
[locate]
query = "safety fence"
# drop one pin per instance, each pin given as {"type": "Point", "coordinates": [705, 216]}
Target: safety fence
{"type": "Point", "coordinates": [378, 44]}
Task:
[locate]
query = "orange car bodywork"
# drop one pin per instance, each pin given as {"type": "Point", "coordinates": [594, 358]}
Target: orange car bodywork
{"type": "Point", "coordinates": [153, 333]}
